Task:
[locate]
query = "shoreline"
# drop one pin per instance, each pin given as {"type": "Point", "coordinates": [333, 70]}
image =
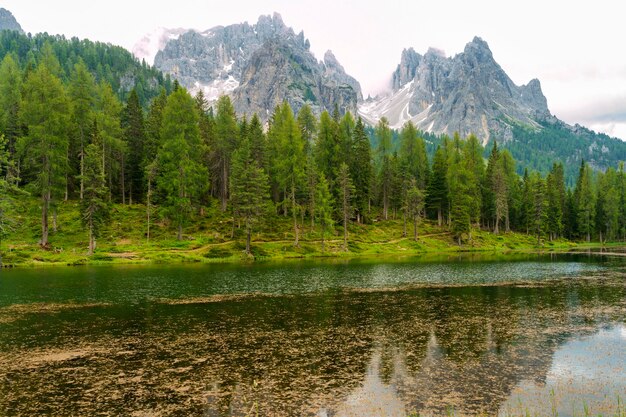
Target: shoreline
{"type": "Point", "coordinates": [178, 256]}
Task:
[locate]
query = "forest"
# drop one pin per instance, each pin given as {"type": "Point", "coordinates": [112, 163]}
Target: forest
{"type": "Point", "coordinates": [68, 134]}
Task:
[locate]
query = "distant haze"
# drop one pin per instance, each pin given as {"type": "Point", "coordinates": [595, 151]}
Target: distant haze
{"type": "Point", "coordinates": [573, 48]}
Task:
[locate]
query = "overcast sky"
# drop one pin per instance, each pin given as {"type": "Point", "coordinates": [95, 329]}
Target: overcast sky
{"type": "Point", "coordinates": [575, 48]}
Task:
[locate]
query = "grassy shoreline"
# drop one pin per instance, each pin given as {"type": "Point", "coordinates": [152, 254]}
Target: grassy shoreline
{"type": "Point", "coordinates": [209, 239]}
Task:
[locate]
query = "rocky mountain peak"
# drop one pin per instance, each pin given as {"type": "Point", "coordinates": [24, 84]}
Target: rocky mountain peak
{"type": "Point", "coordinates": [8, 21]}
{"type": "Point", "coordinates": [259, 65]}
{"type": "Point", "coordinates": [467, 93]}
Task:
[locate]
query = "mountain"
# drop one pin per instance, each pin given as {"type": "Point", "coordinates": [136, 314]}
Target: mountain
{"type": "Point", "coordinates": [259, 65]}
{"type": "Point", "coordinates": [8, 21]}
{"type": "Point", "coordinates": [467, 93]}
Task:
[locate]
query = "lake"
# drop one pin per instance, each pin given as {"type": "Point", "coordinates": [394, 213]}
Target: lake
{"type": "Point", "coordinates": [456, 335]}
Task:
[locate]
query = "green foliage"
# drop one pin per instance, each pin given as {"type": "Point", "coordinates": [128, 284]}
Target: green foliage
{"type": "Point", "coordinates": [324, 206]}
{"type": "Point", "coordinates": [180, 171]}
{"type": "Point", "coordinates": [249, 187]}
{"type": "Point", "coordinates": [44, 149]}
{"type": "Point", "coordinates": [94, 205]}
{"type": "Point", "coordinates": [113, 65]}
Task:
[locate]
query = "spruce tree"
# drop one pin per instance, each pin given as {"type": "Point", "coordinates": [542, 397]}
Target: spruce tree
{"type": "Point", "coordinates": [324, 207]}
{"type": "Point", "coordinates": [248, 186]}
{"type": "Point", "coordinates": [181, 178]}
{"type": "Point", "coordinates": [44, 112]}
{"type": "Point", "coordinates": [226, 142]}
{"type": "Point", "coordinates": [437, 196]}
{"type": "Point", "coordinates": [346, 192]}
{"type": "Point", "coordinates": [361, 170]}
{"type": "Point", "coordinates": [10, 126]}
{"type": "Point", "coordinates": [94, 205]}
{"type": "Point", "coordinates": [135, 137]}
{"type": "Point", "coordinates": [384, 163]}
{"type": "Point", "coordinates": [82, 90]}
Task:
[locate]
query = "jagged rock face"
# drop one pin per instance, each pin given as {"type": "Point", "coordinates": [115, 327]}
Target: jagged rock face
{"type": "Point", "coordinates": [8, 21]}
{"type": "Point", "coordinates": [469, 93]}
{"type": "Point", "coordinates": [259, 65]}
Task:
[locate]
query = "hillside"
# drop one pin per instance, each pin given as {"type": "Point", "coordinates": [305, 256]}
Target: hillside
{"type": "Point", "coordinates": [111, 64]}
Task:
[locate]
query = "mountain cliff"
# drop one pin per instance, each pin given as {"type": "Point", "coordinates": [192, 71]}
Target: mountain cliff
{"type": "Point", "coordinates": [467, 93]}
{"type": "Point", "coordinates": [8, 21]}
{"type": "Point", "coordinates": [259, 65]}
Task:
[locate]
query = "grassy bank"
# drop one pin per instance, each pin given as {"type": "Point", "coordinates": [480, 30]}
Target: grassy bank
{"type": "Point", "coordinates": [209, 238]}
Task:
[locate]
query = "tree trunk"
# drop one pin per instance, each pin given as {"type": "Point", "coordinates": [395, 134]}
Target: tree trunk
{"type": "Point", "coordinates": [44, 219]}
{"type": "Point", "coordinates": [496, 229]}
{"type": "Point", "coordinates": [293, 209]}
{"type": "Point", "coordinates": [439, 216]}
{"type": "Point", "coordinates": [180, 231]}
{"type": "Point", "coordinates": [92, 240]}
{"type": "Point", "coordinates": [248, 237]}
{"type": "Point", "coordinates": [323, 233]}
{"type": "Point", "coordinates": [224, 184]}
{"type": "Point", "coordinates": [415, 227]}
{"type": "Point", "coordinates": [54, 219]}
{"type": "Point", "coordinates": [404, 223]}
{"type": "Point", "coordinates": [148, 208]}
{"type": "Point", "coordinates": [82, 164]}
{"type": "Point", "coordinates": [507, 223]}
{"type": "Point", "coordinates": [345, 230]}
{"type": "Point", "coordinates": [123, 182]}
{"type": "Point", "coordinates": [385, 204]}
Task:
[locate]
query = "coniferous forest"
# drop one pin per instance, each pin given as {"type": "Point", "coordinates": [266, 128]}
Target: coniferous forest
{"type": "Point", "coordinates": [71, 131]}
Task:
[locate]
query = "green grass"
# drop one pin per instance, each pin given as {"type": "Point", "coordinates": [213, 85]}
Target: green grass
{"type": "Point", "coordinates": [209, 238]}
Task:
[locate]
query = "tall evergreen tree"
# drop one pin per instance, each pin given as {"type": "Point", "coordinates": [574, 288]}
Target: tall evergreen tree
{"type": "Point", "coordinates": [94, 205]}
{"type": "Point", "coordinates": [346, 192]}
{"type": "Point", "coordinates": [585, 199]}
{"type": "Point", "coordinates": [45, 147]}
{"type": "Point", "coordinates": [226, 142]}
{"type": "Point", "coordinates": [289, 161]}
{"type": "Point", "coordinates": [361, 170]}
{"type": "Point", "coordinates": [384, 165]}
{"type": "Point", "coordinates": [107, 118]}
{"type": "Point", "coordinates": [324, 207]}
{"type": "Point", "coordinates": [437, 196]}
{"type": "Point", "coordinates": [249, 187]}
{"type": "Point", "coordinates": [10, 126]}
{"type": "Point", "coordinates": [135, 137]}
{"type": "Point", "coordinates": [182, 175]}
{"type": "Point", "coordinates": [82, 90]}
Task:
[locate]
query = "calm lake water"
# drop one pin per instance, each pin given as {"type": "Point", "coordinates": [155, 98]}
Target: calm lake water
{"type": "Point", "coordinates": [530, 334]}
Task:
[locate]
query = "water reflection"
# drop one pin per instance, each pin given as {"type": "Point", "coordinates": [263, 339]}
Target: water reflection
{"type": "Point", "coordinates": [336, 353]}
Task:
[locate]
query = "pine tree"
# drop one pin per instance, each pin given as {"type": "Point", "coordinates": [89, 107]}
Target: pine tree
{"type": "Point", "coordinates": [437, 196]}
{"type": "Point", "coordinates": [346, 192]}
{"type": "Point", "coordinates": [308, 127]}
{"type": "Point", "coordinates": [327, 148]}
{"type": "Point", "coordinates": [538, 204]}
{"type": "Point", "coordinates": [44, 113]}
{"type": "Point", "coordinates": [384, 165]}
{"type": "Point", "coordinates": [415, 203]}
{"type": "Point", "coordinates": [226, 142]}
{"type": "Point", "coordinates": [361, 170]}
{"type": "Point", "coordinates": [324, 206]}
{"type": "Point", "coordinates": [10, 126]}
{"type": "Point", "coordinates": [135, 137]}
{"type": "Point", "coordinates": [585, 202]}
{"type": "Point", "coordinates": [249, 187]}
{"type": "Point", "coordinates": [154, 120]}
{"type": "Point", "coordinates": [289, 160]}
{"type": "Point", "coordinates": [182, 175]}
{"type": "Point", "coordinates": [82, 90]}
{"type": "Point", "coordinates": [107, 119]}
{"type": "Point", "coordinates": [473, 160]}
{"type": "Point", "coordinates": [94, 205]}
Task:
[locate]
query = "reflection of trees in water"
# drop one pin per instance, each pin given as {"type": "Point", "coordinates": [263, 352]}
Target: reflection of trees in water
{"type": "Point", "coordinates": [463, 347]}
